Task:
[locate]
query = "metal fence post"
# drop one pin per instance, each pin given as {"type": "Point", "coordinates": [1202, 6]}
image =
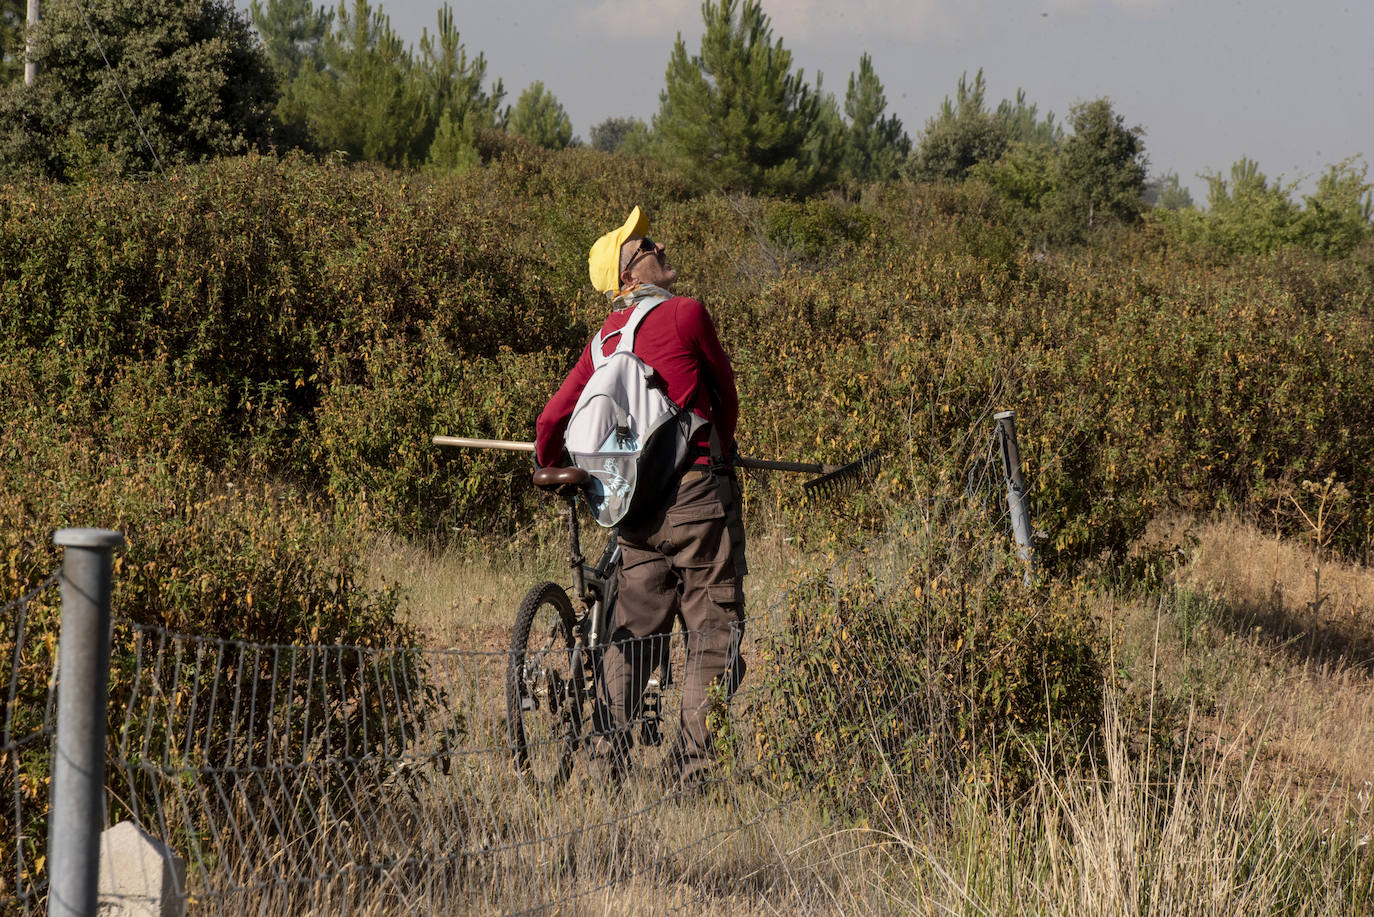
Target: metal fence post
{"type": "Point", "coordinates": [30, 48]}
{"type": "Point", "coordinates": [1016, 490]}
{"type": "Point", "coordinates": [78, 775]}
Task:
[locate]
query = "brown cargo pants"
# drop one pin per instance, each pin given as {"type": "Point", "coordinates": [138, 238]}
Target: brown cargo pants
{"type": "Point", "coordinates": [687, 557]}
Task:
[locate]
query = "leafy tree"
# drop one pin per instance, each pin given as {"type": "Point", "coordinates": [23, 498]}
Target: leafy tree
{"type": "Point", "coordinates": [962, 135]}
{"type": "Point", "coordinates": [458, 107]}
{"type": "Point", "coordinates": [1246, 212]}
{"type": "Point", "coordinates": [615, 134]}
{"type": "Point", "coordinates": [292, 32]}
{"type": "Point", "coordinates": [365, 99]}
{"type": "Point", "coordinates": [1100, 172]}
{"type": "Point", "coordinates": [875, 145]}
{"type": "Point", "coordinates": [735, 115]}
{"type": "Point", "coordinates": [1024, 175]}
{"type": "Point", "coordinates": [12, 13]}
{"type": "Point", "coordinates": [1167, 193]}
{"type": "Point", "coordinates": [185, 80]}
{"type": "Point", "coordinates": [1337, 217]}
{"type": "Point", "coordinates": [539, 118]}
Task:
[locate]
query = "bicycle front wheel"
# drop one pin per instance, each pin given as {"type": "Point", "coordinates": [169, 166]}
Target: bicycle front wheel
{"type": "Point", "coordinates": [545, 686]}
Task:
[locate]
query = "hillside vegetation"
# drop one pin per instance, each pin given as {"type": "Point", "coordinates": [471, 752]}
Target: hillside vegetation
{"type": "Point", "coordinates": [240, 366]}
{"type": "Point", "coordinates": [294, 332]}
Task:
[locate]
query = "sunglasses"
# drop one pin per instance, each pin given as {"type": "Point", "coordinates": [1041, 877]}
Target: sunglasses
{"type": "Point", "coordinates": [647, 246]}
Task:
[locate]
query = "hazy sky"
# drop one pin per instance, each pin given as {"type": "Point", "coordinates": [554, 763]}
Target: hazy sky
{"type": "Point", "coordinates": [1289, 84]}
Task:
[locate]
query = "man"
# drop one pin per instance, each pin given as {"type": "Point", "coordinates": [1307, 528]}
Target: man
{"type": "Point", "coordinates": [684, 552]}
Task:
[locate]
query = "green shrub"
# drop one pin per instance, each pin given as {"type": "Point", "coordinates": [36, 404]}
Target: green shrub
{"type": "Point", "coordinates": [814, 228]}
{"type": "Point", "coordinates": [943, 669]}
{"type": "Point", "coordinates": [315, 324]}
{"type": "Point", "coordinates": [205, 555]}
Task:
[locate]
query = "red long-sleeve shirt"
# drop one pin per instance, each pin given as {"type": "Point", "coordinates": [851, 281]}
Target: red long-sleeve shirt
{"type": "Point", "coordinates": [679, 340]}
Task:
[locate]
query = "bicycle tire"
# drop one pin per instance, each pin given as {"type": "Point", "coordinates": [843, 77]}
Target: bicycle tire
{"type": "Point", "coordinates": [545, 687]}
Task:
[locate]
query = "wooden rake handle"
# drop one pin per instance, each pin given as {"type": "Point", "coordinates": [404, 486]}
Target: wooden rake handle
{"type": "Point", "coordinates": [510, 445]}
{"type": "Point", "coordinates": [469, 443]}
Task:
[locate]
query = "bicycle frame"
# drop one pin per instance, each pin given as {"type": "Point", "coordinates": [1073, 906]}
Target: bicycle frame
{"type": "Point", "coordinates": [550, 677]}
{"type": "Point", "coordinates": [596, 594]}
{"type": "Point", "coordinates": [595, 588]}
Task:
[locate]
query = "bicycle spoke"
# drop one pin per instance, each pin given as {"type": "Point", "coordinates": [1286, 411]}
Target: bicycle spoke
{"type": "Point", "coordinates": [545, 687]}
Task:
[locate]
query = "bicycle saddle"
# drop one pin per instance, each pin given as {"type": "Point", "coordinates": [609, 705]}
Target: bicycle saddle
{"type": "Point", "coordinates": [560, 477]}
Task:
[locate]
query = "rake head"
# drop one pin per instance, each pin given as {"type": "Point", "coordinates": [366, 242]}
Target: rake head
{"type": "Point", "coordinates": [842, 479]}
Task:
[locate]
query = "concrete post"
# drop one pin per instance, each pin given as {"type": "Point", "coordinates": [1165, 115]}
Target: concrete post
{"type": "Point", "coordinates": [139, 875]}
{"type": "Point", "coordinates": [1016, 489]}
{"type": "Point", "coordinates": [78, 775]}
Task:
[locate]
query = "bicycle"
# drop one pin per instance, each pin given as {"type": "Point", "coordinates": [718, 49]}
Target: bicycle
{"type": "Point", "coordinates": [555, 654]}
{"type": "Point", "coordinates": [547, 684]}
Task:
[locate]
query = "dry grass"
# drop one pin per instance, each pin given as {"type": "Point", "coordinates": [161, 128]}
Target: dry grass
{"type": "Point", "coordinates": [458, 599]}
{"type": "Point", "coordinates": [477, 841]}
{"type": "Point", "coordinates": [1276, 645]}
{"type": "Point", "coordinates": [1287, 589]}
{"type": "Point", "coordinates": [466, 598]}
{"type": "Point", "coordinates": [1236, 776]}
{"type": "Point", "coordinates": [1204, 839]}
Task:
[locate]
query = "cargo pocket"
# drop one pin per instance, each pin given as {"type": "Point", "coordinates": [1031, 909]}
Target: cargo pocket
{"type": "Point", "coordinates": [698, 534]}
{"type": "Point", "coordinates": [728, 495]}
{"type": "Point", "coordinates": [696, 512]}
{"type": "Point", "coordinates": [646, 590]}
{"type": "Point", "coordinates": [728, 595]}
{"type": "Point", "coordinates": [729, 600]}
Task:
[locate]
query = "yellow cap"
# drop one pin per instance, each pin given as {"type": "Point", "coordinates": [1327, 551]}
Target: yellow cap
{"type": "Point", "coordinates": [603, 261]}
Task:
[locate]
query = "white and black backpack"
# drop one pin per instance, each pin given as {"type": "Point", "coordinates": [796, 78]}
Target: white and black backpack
{"type": "Point", "coordinates": [625, 431]}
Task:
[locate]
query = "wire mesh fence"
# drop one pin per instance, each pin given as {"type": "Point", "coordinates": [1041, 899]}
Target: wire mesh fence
{"type": "Point", "coordinates": [324, 777]}
{"type": "Point", "coordinates": [380, 779]}
{"type": "Point", "coordinates": [28, 653]}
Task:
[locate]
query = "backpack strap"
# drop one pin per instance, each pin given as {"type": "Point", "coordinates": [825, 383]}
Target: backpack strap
{"type": "Point", "coordinates": [626, 332]}
{"type": "Point", "coordinates": [717, 450]}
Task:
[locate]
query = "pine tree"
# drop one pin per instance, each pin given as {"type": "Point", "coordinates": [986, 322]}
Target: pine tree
{"type": "Point", "coordinates": [539, 118]}
{"type": "Point", "coordinates": [735, 116]}
{"type": "Point", "coordinates": [963, 134]}
{"type": "Point", "coordinates": [1247, 213]}
{"type": "Point", "coordinates": [457, 106]}
{"type": "Point", "coordinates": [1024, 124]}
{"type": "Point", "coordinates": [827, 138]}
{"type": "Point", "coordinates": [1337, 217]}
{"type": "Point", "coordinates": [875, 145]}
{"type": "Point", "coordinates": [185, 80]}
{"type": "Point", "coordinates": [1166, 192]}
{"type": "Point", "coordinates": [453, 148]}
{"type": "Point", "coordinates": [365, 99]}
{"type": "Point", "coordinates": [292, 32]}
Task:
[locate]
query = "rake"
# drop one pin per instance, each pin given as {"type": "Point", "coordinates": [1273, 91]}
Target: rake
{"type": "Point", "coordinates": [833, 480]}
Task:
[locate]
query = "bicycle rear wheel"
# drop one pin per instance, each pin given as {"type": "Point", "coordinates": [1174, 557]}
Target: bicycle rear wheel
{"type": "Point", "coordinates": [545, 686]}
